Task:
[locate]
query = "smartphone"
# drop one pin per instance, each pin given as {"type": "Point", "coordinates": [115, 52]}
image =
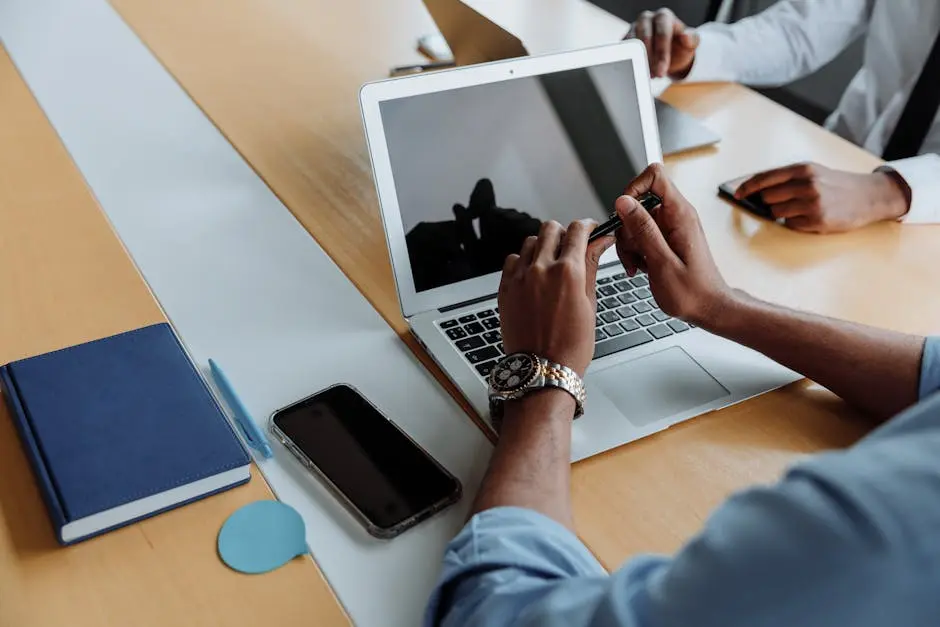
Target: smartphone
{"type": "Point", "coordinates": [753, 203]}
{"type": "Point", "coordinates": [383, 477]}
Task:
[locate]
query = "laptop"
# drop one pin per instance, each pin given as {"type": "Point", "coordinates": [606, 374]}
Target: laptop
{"type": "Point", "coordinates": [475, 38]}
{"type": "Point", "coordinates": [468, 162]}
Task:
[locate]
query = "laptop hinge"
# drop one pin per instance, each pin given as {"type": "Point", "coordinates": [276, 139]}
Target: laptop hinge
{"type": "Point", "coordinates": [467, 303]}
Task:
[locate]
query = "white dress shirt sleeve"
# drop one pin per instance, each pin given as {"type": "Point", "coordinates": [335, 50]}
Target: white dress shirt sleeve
{"type": "Point", "coordinates": [789, 40]}
{"type": "Point", "coordinates": [922, 175]}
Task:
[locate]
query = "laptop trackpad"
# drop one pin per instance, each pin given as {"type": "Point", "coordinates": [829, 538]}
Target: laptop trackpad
{"type": "Point", "coordinates": [658, 386]}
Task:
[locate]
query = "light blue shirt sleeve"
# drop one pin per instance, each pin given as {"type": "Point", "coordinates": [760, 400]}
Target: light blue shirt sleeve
{"type": "Point", "coordinates": [846, 538]}
{"type": "Point", "coordinates": [930, 367]}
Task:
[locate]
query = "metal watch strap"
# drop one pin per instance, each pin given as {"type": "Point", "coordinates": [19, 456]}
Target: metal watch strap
{"type": "Point", "coordinates": [564, 378]}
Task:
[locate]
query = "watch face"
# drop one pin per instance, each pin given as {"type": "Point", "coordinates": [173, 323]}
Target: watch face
{"type": "Point", "coordinates": [513, 372]}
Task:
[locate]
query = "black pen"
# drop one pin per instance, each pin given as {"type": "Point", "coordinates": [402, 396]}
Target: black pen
{"type": "Point", "coordinates": [649, 200]}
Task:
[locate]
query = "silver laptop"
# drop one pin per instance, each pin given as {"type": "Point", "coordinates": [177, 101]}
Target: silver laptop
{"type": "Point", "coordinates": [469, 162]}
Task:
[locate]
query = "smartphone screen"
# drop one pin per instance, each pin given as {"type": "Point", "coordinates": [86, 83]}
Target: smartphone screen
{"type": "Point", "coordinates": [383, 475]}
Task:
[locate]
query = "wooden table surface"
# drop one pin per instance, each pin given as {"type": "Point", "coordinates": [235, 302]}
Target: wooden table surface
{"type": "Point", "coordinates": [280, 79]}
{"type": "Point", "coordinates": [65, 279]}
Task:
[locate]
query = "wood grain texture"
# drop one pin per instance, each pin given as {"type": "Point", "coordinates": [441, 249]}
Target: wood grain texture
{"type": "Point", "coordinates": [64, 279]}
{"type": "Point", "coordinates": [280, 79]}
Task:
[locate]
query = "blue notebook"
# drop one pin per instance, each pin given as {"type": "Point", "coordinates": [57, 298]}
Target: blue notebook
{"type": "Point", "coordinates": [120, 429]}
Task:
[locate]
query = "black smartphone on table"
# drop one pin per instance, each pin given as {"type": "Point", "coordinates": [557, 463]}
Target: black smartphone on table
{"type": "Point", "coordinates": [383, 477]}
{"type": "Point", "coordinates": [753, 203]}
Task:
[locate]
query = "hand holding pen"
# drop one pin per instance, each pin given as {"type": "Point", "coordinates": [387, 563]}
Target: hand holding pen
{"type": "Point", "coordinates": [649, 200]}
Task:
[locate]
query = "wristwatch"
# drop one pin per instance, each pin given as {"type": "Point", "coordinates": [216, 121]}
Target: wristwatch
{"type": "Point", "coordinates": [518, 374]}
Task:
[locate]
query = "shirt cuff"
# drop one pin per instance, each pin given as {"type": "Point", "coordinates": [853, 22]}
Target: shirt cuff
{"type": "Point", "coordinates": [930, 368]}
{"type": "Point", "coordinates": [922, 175]}
{"type": "Point", "coordinates": [504, 544]}
{"type": "Point", "coordinates": [708, 64]}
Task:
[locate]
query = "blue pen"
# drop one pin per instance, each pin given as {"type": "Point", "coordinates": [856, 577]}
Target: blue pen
{"type": "Point", "coordinates": [253, 434]}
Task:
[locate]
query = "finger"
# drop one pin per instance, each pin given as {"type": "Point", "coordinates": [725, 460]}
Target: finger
{"type": "Point", "coordinates": [770, 178]}
{"type": "Point", "coordinates": [796, 189]}
{"type": "Point", "coordinates": [688, 38]}
{"type": "Point", "coordinates": [663, 30]}
{"type": "Point", "coordinates": [592, 261]}
{"type": "Point", "coordinates": [510, 265]}
{"type": "Point", "coordinates": [548, 242]}
{"type": "Point", "coordinates": [528, 251]}
{"type": "Point", "coordinates": [643, 30]}
{"type": "Point", "coordinates": [790, 209]}
{"type": "Point", "coordinates": [652, 179]}
{"type": "Point", "coordinates": [641, 230]}
{"type": "Point", "coordinates": [575, 243]}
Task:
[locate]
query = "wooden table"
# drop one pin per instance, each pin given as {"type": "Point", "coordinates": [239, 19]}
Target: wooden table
{"type": "Point", "coordinates": [65, 279]}
{"type": "Point", "coordinates": [280, 80]}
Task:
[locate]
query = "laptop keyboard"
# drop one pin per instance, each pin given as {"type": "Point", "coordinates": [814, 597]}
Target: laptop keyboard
{"type": "Point", "coordinates": [627, 316]}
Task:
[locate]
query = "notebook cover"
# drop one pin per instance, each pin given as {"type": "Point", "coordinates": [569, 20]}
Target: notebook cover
{"type": "Point", "coordinates": [118, 419]}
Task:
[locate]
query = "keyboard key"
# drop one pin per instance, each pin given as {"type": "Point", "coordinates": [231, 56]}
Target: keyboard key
{"type": "Point", "coordinates": [630, 325]}
{"type": "Point", "coordinates": [620, 276]}
{"type": "Point", "coordinates": [467, 318]}
{"type": "Point", "coordinates": [639, 281]}
{"type": "Point", "coordinates": [598, 294]}
{"type": "Point", "coordinates": [611, 303]}
{"type": "Point", "coordinates": [678, 326]}
{"type": "Point", "coordinates": [645, 320]}
{"type": "Point", "coordinates": [490, 323]}
{"type": "Point", "coordinates": [469, 343]}
{"type": "Point", "coordinates": [598, 322]}
{"type": "Point", "coordinates": [473, 328]}
{"type": "Point", "coordinates": [660, 331]}
{"type": "Point", "coordinates": [643, 292]}
{"type": "Point", "coordinates": [492, 337]}
{"type": "Point", "coordinates": [607, 290]}
{"type": "Point", "coordinates": [640, 307]}
{"type": "Point", "coordinates": [623, 286]}
{"type": "Point", "coordinates": [486, 368]}
{"type": "Point", "coordinates": [447, 324]}
{"type": "Point", "coordinates": [605, 280]}
{"type": "Point", "coordinates": [623, 342]}
{"type": "Point", "coordinates": [610, 316]}
{"type": "Point", "coordinates": [486, 313]}
{"type": "Point", "coordinates": [652, 302]}
{"type": "Point", "coordinates": [456, 334]}
{"type": "Point", "coordinates": [484, 354]}
{"type": "Point", "coordinates": [660, 315]}
{"type": "Point", "coordinates": [613, 330]}
{"type": "Point", "coordinates": [626, 311]}
{"type": "Point", "coordinates": [599, 335]}
{"type": "Point", "coordinates": [499, 347]}
{"type": "Point", "coordinates": [626, 299]}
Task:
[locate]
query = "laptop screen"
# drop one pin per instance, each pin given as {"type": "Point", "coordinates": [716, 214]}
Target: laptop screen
{"type": "Point", "coordinates": [477, 169]}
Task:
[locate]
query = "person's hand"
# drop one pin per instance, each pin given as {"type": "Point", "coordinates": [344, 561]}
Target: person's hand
{"type": "Point", "coordinates": [813, 198]}
{"type": "Point", "coordinates": [669, 245]}
{"type": "Point", "coordinates": [546, 297]}
{"type": "Point", "coordinates": [670, 44]}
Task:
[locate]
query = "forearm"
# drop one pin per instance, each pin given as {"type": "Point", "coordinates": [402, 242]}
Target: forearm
{"type": "Point", "coordinates": [875, 370]}
{"type": "Point", "coordinates": [789, 40]}
{"type": "Point", "coordinates": [531, 466]}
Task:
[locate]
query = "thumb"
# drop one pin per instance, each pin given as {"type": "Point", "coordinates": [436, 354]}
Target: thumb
{"type": "Point", "coordinates": [595, 251]}
{"type": "Point", "coordinates": [640, 230]}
